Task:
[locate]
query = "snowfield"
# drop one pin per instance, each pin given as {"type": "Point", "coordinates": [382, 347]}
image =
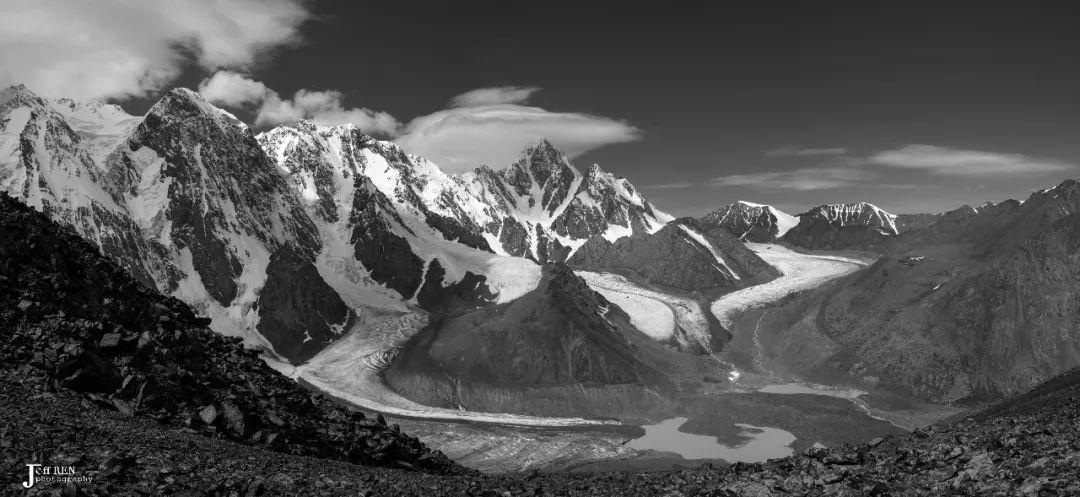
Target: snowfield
{"type": "Point", "coordinates": [644, 307]}
{"type": "Point", "coordinates": [800, 272]}
{"type": "Point", "coordinates": [350, 369]}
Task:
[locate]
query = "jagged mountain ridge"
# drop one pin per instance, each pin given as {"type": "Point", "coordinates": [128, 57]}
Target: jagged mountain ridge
{"type": "Point", "coordinates": [539, 207]}
{"type": "Point", "coordinates": [860, 226]}
{"type": "Point", "coordinates": [684, 255]}
{"type": "Point", "coordinates": [189, 201]}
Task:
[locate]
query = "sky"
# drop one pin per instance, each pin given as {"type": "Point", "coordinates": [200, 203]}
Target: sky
{"type": "Point", "coordinates": [914, 106]}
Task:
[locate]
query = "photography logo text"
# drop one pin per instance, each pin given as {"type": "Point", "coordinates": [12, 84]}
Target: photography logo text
{"type": "Point", "coordinates": [39, 473]}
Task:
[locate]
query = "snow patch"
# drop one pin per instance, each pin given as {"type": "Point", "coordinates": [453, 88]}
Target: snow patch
{"type": "Point", "coordinates": [784, 221]}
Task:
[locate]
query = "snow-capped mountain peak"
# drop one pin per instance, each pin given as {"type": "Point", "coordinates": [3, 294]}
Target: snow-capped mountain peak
{"type": "Point", "coordinates": [183, 104]}
{"type": "Point", "coordinates": [855, 214]}
{"type": "Point", "coordinates": [751, 221]}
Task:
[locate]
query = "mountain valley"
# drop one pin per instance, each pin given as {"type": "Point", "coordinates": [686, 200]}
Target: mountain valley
{"type": "Point", "coordinates": [528, 317]}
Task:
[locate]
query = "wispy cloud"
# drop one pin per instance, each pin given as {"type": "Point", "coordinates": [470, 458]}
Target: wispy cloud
{"type": "Point", "coordinates": [959, 162]}
{"type": "Point", "coordinates": [806, 152]}
{"type": "Point", "coordinates": [804, 179]}
{"type": "Point", "coordinates": [494, 96]}
{"type": "Point", "coordinates": [840, 168]}
{"type": "Point", "coordinates": [487, 133]}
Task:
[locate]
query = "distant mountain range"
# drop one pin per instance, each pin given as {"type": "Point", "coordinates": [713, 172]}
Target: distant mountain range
{"type": "Point", "coordinates": [968, 305]}
{"type": "Point", "coordinates": [277, 236]}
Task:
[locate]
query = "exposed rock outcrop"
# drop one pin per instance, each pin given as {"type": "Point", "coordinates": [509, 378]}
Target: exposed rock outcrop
{"type": "Point", "coordinates": [73, 320]}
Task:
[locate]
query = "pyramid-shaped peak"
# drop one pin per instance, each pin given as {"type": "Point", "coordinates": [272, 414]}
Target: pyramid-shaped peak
{"type": "Point", "coordinates": [182, 103]}
{"type": "Point", "coordinates": [543, 160]}
{"type": "Point", "coordinates": [543, 149]}
{"type": "Point", "coordinates": [544, 144]}
{"type": "Point", "coordinates": [192, 96]}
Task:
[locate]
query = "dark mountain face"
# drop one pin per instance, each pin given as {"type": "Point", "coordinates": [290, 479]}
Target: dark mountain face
{"type": "Point", "coordinates": [221, 185]}
{"type": "Point", "coordinates": [860, 226]}
{"type": "Point", "coordinates": [912, 222]}
{"type": "Point", "coordinates": [299, 313]}
{"type": "Point", "coordinates": [979, 305]}
{"type": "Point", "coordinates": [681, 255]}
{"type": "Point", "coordinates": [560, 333]}
{"type": "Point", "coordinates": [751, 222]}
{"type": "Point", "coordinates": [561, 342]}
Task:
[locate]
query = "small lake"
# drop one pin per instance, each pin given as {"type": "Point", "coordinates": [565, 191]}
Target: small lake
{"type": "Point", "coordinates": [764, 443]}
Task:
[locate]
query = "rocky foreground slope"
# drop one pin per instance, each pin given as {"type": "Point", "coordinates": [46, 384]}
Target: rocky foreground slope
{"type": "Point", "coordinates": [73, 321]}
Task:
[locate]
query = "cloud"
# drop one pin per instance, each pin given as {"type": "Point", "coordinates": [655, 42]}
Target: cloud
{"type": "Point", "coordinates": [232, 90]}
{"type": "Point", "coordinates": [462, 138]}
{"type": "Point", "coordinates": [839, 168]}
{"type": "Point", "coordinates": [457, 139]}
{"type": "Point", "coordinates": [120, 49]}
{"type": "Point", "coordinates": [324, 107]}
{"type": "Point", "coordinates": [958, 162]}
{"type": "Point", "coordinates": [806, 152]}
{"type": "Point", "coordinates": [494, 96]}
{"type": "Point", "coordinates": [804, 179]}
